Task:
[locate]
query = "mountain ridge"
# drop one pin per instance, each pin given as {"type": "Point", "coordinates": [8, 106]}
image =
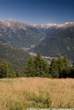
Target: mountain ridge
{"type": "Point", "coordinates": [10, 23]}
{"type": "Point", "coordinates": [46, 39]}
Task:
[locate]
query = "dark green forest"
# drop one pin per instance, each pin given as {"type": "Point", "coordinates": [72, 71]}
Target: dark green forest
{"type": "Point", "coordinates": [37, 66]}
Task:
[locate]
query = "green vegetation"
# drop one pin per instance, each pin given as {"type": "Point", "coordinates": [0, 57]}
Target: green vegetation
{"type": "Point", "coordinates": [41, 99]}
{"type": "Point", "coordinates": [37, 66]}
{"type": "Point", "coordinates": [6, 70]}
{"type": "Point", "coordinates": [16, 57]}
{"type": "Point", "coordinates": [60, 67]}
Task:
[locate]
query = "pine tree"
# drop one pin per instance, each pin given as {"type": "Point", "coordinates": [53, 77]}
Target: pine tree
{"type": "Point", "coordinates": [37, 66]}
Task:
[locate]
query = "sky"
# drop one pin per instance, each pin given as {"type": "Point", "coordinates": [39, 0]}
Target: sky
{"type": "Point", "coordinates": [37, 11]}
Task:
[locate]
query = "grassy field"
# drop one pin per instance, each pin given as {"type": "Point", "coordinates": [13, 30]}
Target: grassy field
{"type": "Point", "coordinates": [20, 93]}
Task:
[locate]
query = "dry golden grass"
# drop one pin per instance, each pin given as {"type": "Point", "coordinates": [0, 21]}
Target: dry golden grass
{"type": "Point", "coordinates": [16, 94]}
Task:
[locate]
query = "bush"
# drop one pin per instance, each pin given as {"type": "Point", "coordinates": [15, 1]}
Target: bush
{"type": "Point", "coordinates": [3, 70]}
{"type": "Point", "coordinates": [15, 105]}
{"type": "Point", "coordinates": [39, 100]}
{"type": "Point", "coordinates": [6, 70]}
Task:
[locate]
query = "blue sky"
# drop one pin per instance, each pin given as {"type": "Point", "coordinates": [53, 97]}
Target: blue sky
{"type": "Point", "coordinates": [37, 11]}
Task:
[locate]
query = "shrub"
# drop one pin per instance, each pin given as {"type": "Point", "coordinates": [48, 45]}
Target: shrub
{"type": "Point", "coordinates": [39, 100]}
{"type": "Point", "coordinates": [15, 105]}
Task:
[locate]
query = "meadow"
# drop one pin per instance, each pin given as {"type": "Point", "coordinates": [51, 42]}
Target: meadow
{"type": "Point", "coordinates": [22, 93]}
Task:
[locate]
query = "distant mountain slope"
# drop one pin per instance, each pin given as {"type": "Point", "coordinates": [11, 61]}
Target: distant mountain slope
{"type": "Point", "coordinates": [17, 57]}
{"type": "Point", "coordinates": [19, 34]}
{"type": "Point", "coordinates": [47, 39]}
{"type": "Point", "coordinates": [59, 42]}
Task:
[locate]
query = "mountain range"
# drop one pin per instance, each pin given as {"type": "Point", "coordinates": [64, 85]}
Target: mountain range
{"type": "Point", "coordinates": [18, 40]}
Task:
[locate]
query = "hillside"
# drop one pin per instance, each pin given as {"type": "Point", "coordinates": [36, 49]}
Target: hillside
{"type": "Point", "coordinates": [58, 42]}
{"type": "Point", "coordinates": [47, 39]}
{"type": "Point", "coordinates": [16, 57]}
{"type": "Point", "coordinates": [19, 34]}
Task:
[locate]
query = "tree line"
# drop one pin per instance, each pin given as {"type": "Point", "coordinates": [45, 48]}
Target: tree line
{"type": "Point", "coordinates": [37, 66]}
